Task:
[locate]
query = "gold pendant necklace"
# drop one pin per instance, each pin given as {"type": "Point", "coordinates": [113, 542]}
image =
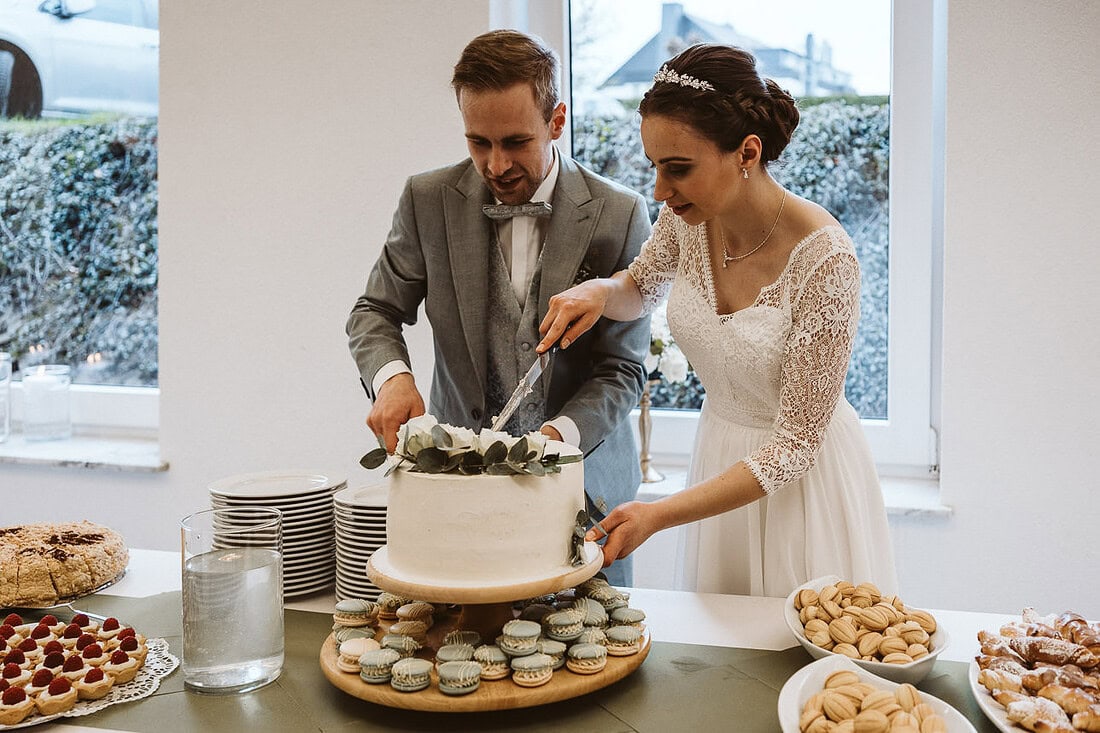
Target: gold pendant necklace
{"type": "Point", "coordinates": [728, 258]}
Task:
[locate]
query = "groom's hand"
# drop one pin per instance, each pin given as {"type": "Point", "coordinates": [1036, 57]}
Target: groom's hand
{"type": "Point", "coordinates": [398, 402]}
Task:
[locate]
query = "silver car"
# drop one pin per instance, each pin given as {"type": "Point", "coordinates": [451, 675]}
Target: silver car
{"type": "Point", "coordinates": [73, 57]}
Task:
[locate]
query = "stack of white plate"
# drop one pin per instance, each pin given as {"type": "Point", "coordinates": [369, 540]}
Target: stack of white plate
{"type": "Point", "coordinates": [305, 499]}
{"type": "Point", "coordinates": [360, 530]}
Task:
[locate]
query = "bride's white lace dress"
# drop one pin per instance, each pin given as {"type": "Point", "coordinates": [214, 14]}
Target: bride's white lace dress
{"type": "Point", "coordinates": [774, 378]}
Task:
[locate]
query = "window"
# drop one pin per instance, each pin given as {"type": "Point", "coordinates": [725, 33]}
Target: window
{"type": "Point", "coordinates": [838, 60]}
{"type": "Point", "coordinates": [78, 190]}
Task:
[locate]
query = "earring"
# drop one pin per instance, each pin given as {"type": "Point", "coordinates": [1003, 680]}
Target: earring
{"type": "Point", "coordinates": [744, 172]}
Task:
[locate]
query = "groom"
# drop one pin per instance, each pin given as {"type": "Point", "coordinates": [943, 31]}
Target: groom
{"type": "Point", "coordinates": [485, 268]}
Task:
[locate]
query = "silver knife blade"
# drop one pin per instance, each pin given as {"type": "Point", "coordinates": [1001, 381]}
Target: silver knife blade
{"type": "Point", "coordinates": [524, 388]}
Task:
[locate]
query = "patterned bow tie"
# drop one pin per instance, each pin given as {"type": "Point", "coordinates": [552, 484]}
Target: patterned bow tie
{"type": "Point", "coordinates": [505, 211]}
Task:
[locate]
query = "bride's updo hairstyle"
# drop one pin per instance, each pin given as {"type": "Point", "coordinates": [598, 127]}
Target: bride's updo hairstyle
{"type": "Point", "coordinates": [715, 89]}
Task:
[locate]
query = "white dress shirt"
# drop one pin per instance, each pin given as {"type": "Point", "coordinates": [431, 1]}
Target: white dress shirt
{"type": "Point", "coordinates": [520, 240]}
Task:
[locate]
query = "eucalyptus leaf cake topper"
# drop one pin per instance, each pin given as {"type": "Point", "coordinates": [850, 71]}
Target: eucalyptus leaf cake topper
{"type": "Point", "coordinates": [434, 447]}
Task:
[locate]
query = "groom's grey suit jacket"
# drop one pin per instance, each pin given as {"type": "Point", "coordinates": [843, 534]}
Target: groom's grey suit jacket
{"type": "Point", "coordinates": [437, 253]}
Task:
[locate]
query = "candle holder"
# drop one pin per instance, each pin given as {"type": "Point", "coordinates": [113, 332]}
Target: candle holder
{"type": "Point", "coordinates": [650, 475]}
{"type": "Point", "coordinates": [46, 414]}
{"type": "Point", "coordinates": [5, 395]}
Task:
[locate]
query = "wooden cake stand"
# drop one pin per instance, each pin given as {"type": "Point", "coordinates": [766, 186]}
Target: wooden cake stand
{"type": "Point", "coordinates": [484, 610]}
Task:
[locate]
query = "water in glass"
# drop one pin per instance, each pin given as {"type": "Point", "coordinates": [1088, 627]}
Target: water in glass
{"type": "Point", "coordinates": [233, 619]}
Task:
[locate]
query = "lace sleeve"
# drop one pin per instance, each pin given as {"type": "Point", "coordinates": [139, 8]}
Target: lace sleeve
{"type": "Point", "coordinates": [655, 266]}
{"type": "Point", "coordinates": [824, 315]}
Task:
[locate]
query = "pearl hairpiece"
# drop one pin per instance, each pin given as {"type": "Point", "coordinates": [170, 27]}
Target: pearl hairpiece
{"type": "Point", "coordinates": [673, 77]}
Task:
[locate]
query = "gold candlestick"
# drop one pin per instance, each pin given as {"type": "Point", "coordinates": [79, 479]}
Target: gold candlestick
{"type": "Point", "coordinates": [650, 475]}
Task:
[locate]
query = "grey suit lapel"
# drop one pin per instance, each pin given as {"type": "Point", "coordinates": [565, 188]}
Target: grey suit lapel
{"type": "Point", "coordinates": [567, 240]}
{"type": "Point", "coordinates": [468, 236]}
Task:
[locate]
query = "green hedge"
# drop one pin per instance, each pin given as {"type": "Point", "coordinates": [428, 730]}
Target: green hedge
{"type": "Point", "coordinates": [78, 245]}
{"type": "Point", "coordinates": [838, 158]}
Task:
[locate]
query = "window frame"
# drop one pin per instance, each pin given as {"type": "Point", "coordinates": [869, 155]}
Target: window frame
{"type": "Point", "coordinates": [104, 410]}
{"type": "Point", "coordinates": [906, 443]}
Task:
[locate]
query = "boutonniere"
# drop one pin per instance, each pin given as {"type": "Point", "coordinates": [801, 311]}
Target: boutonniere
{"type": "Point", "coordinates": [583, 274]}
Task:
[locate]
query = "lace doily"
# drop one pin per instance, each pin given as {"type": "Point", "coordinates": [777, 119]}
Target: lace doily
{"type": "Point", "coordinates": [159, 663]}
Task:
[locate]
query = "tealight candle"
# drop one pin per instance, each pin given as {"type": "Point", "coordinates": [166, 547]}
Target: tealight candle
{"type": "Point", "coordinates": [5, 395]}
{"type": "Point", "coordinates": [46, 413]}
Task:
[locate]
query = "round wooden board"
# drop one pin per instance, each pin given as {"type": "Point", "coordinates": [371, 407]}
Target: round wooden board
{"type": "Point", "coordinates": [491, 694]}
{"type": "Point", "coordinates": [382, 573]}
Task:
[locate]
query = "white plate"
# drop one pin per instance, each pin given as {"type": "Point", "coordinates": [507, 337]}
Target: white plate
{"type": "Point", "coordinates": [368, 535]}
{"type": "Point", "coordinates": [321, 498]}
{"type": "Point", "coordinates": [373, 497]}
{"type": "Point", "coordinates": [993, 710]}
{"type": "Point", "coordinates": [322, 555]}
{"type": "Point", "coordinates": [913, 672]}
{"type": "Point", "coordinates": [274, 484]}
{"type": "Point", "coordinates": [358, 551]}
{"type": "Point", "coordinates": [810, 680]}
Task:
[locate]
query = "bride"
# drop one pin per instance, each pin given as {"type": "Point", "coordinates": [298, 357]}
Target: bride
{"type": "Point", "coordinates": [763, 298]}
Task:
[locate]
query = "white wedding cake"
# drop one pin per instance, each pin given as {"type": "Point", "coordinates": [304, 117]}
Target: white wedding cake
{"type": "Point", "coordinates": [458, 530]}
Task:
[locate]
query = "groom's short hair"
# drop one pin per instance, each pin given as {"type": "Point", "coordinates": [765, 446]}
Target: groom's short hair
{"type": "Point", "coordinates": [501, 58]}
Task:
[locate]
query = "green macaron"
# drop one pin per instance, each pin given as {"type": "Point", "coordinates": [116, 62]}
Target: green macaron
{"type": "Point", "coordinates": [459, 677]}
{"type": "Point", "coordinates": [411, 674]}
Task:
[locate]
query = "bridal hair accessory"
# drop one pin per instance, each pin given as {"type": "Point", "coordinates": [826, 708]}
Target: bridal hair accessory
{"type": "Point", "coordinates": [728, 258]}
{"type": "Point", "coordinates": [671, 76]}
{"type": "Point", "coordinates": [505, 211]}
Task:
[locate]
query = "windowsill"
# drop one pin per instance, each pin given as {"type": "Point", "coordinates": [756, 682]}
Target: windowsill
{"type": "Point", "coordinates": [85, 451]}
{"type": "Point", "coordinates": [906, 497]}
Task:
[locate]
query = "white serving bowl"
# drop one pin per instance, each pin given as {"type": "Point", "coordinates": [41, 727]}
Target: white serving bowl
{"type": "Point", "coordinates": [913, 672]}
{"type": "Point", "coordinates": [809, 680]}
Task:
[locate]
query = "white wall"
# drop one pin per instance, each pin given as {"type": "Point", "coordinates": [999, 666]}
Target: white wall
{"type": "Point", "coordinates": [1020, 345]}
{"type": "Point", "coordinates": [286, 135]}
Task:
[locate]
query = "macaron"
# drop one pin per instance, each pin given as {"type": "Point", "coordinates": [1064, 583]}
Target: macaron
{"type": "Point", "coordinates": [416, 611]}
{"type": "Point", "coordinates": [586, 658]}
{"type": "Point", "coordinates": [553, 649]}
{"type": "Point", "coordinates": [622, 641]}
{"type": "Point", "coordinates": [462, 636]}
{"type": "Point", "coordinates": [627, 616]}
{"type": "Point", "coordinates": [416, 629]}
{"type": "Point", "coordinates": [388, 603]}
{"type": "Point", "coordinates": [536, 612]}
{"type": "Point", "coordinates": [493, 661]}
{"type": "Point", "coordinates": [564, 625]}
{"type": "Point", "coordinates": [406, 646]}
{"type": "Point", "coordinates": [346, 633]}
{"type": "Point", "coordinates": [454, 653]}
{"type": "Point", "coordinates": [376, 666]}
{"type": "Point", "coordinates": [609, 597]}
{"type": "Point", "coordinates": [532, 670]}
{"type": "Point", "coordinates": [459, 677]}
{"type": "Point", "coordinates": [593, 610]}
{"type": "Point", "coordinates": [355, 612]}
{"type": "Point", "coordinates": [518, 637]}
{"type": "Point", "coordinates": [351, 650]}
{"type": "Point", "coordinates": [410, 674]}
{"type": "Point", "coordinates": [591, 635]}
{"type": "Point", "coordinates": [586, 588]}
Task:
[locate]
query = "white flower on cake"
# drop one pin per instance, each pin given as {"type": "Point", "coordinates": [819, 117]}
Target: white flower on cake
{"type": "Point", "coordinates": [434, 447]}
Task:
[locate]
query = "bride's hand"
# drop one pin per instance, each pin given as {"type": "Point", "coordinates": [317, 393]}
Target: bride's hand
{"type": "Point", "coordinates": [626, 528]}
{"type": "Point", "coordinates": [572, 312]}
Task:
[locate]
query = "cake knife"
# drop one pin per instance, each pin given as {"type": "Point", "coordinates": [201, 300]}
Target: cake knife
{"type": "Point", "coordinates": [524, 388]}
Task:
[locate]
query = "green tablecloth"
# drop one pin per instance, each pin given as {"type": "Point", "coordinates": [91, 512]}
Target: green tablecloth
{"type": "Point", "coordinates": [680, 687]}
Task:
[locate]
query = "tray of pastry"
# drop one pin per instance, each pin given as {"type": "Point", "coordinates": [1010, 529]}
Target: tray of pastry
{"type": "Point", "coordinates": [60, 662]}
{"type": "Point", "coordinates": [1041, 672]}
